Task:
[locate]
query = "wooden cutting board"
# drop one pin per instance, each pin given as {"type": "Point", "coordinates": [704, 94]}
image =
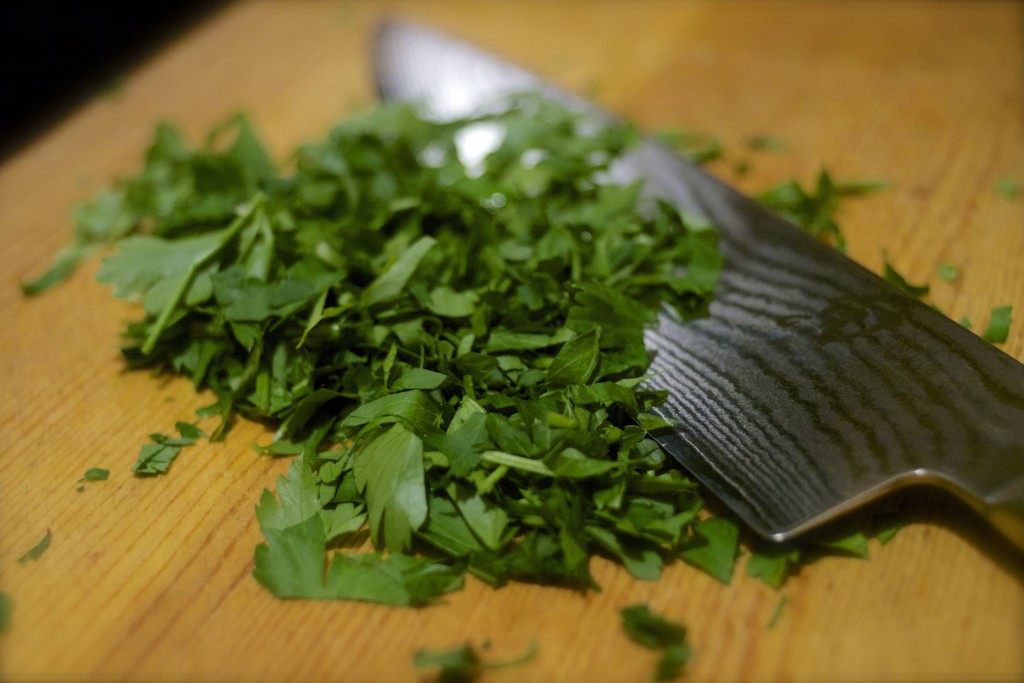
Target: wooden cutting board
{"type": "Point", "coordinates": [150, 579]}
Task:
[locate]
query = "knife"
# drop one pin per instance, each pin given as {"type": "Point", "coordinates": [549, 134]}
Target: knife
{"type": "Point", "coordinates": [812, 386]}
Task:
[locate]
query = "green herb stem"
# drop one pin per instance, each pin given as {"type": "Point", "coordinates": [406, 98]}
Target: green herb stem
{"type": "Point", "coordinates": [517, 462]}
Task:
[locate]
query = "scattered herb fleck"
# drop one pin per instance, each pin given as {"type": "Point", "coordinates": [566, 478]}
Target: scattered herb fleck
{"type": "Point", "coordinates": [655, 632]}
{"type": "Point", "coordinates": [1009, 188]}
{"type": "Point", "coordinates": [773, 563]}
{"type": "Point", "coordinates": [95, 474]}
{"type": "Point", "coordinates": [998, 324]}
{"type": "Point", "coordinates": [766, 143]}
{"type": "Point", "coordinates": [6, 608]}
{"type": "Point", "coordinates": [113, 87]}
{"type": "Point", "coordinates": [701, 148]}
{"type": "Point", "coordinates": [463, 664]}
{"type": "Point", "coordinates": [888, 525]}
{"type": "Point", "coordinates": [948, 272]}
{"type": "Point", "coordinates": [713, 547]}
{"type": "Point", "coordinates": [37, 550]}
{"type": "Point", "coordinates": [156, 457]}
{"type": "Point", "coordinates": [777, 612]}
{"type": "Point", "coordinates": [893, 277]}
{"type": "Point", "coordinates": [815, 210]}
{"type": "Point", "coordinates": [850, 542]}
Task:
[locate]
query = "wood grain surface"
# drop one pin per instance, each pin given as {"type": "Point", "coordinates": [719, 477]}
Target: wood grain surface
{"type": "Point", "coordinates": [149, 580]}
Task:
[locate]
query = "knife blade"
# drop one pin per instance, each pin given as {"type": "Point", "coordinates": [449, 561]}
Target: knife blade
{"type": "Point", "coordinates": [812, 386]}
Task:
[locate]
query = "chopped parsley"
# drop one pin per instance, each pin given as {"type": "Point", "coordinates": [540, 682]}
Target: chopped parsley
{"type": "Point", "coordinates": [893, 277]}
{"type": "Point", "coordinates": [464, 663]}
{"type": "Point", "coordinates": [998, 324]}
{"type": "Point", "coordinates": [95, 474]}
{"type": "Point", "coordinates": [699, 147]}
{"type": "Point", "coordinates": [713, 547]}
{"type": "Point", "coordinates": [449, 349]}
{"type": "Point", "coordinates": [1009, 188]}
{"type": "Point", "coordinates": [155, 457]}
{"type": "Point", "coordinates": [777, 612]}
{"type": "Point", "coordinates": [814, 210]}
{"type": "Point", "coordinates": [657, 633]}
{"type": "Point", "coordinates": [887, 525]}
{"type": "Point", "coordinates": [948, 272]}
{"type": "Point", "coordinates": [766, 143]}
{"type": "Point", "coordinates": [6, 608]}
{"type": "Point", "coordinates": [773, 563]}
{"type": "Point", "coordinates": [465, 377]}
{"type": "Point", "coordinates": [36, 551]}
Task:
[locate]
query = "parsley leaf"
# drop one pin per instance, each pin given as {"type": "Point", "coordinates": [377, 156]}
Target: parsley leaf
{"type": "Point", "coordinates": [293, 564]}
{"type": "Point", "coordinates": [815, 210]}
{"type": "Point", "coordinates": [460, 664]}
{"type": "Point", "coordinates": [6, 609]}
{"type": "Point", "coordinates": [948, 272]}
{"type": "Point", "coordinates": [657, 633]}
{"type": "Point", "coordinates": [898, 281]}
{"type": "Point", "coordinates": [777, 612]}
{"type": "Point", "coordinates": [1009, 188]}
{"type": "Point", "coordinates": [156, 457]}
{"type": "Point", "coordinates": [463, 663]}
{"type": "Point", "coordinates": [886, 526]}
{"type": "Point", "coordinates": [103, 221]}
{"type": "Point", "coordinates": [299, 497]}
{"type": "Point", "coordinates": [998, 329]}
{"type": "Point", "coordinates": [699, 147]}
{"type": "Point", "coordinates": [390, 283]}
{"type": "Point", "coordinates": [845, 541]}
{"type": "Point", "coordinates": [36, 551]}
{"type": "Point", "coordinates": [773, 564]}
{"type": "Point", "coordinates": [577, 359]}
{"type": "Point", "coordinates": [713, 547]}
{"type": "Point", "coordinates": [766, 143]}
{"type": "Point", "coordinates": [95, 474]}
{"type": "Point", "coordinates": [390, 470]}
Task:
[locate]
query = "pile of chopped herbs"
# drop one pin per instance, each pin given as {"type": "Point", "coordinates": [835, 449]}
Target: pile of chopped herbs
{"type": "Point", "coordinates": [448, 344]}
{"type": "Point", "coordinates": [452, 349]}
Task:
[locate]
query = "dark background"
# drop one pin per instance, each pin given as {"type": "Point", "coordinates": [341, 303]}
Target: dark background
{"type": "Point", "coordinates": [55, 56]}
